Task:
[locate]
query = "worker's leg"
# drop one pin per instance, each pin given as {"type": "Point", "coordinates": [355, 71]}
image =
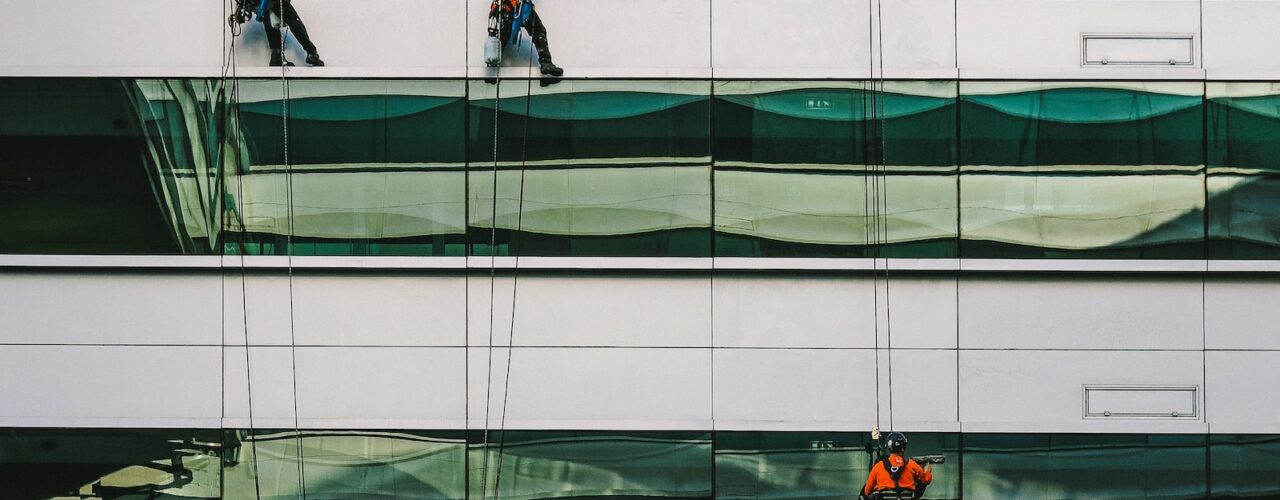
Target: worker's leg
{"type": "Point", "coordinates": [538, 32]}
{"type": "Point", "coordinates": [273, 42]}
{"type": "Point", "coordinates": [299, 30]}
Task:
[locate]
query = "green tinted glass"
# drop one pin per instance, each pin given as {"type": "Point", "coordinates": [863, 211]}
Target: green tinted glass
{"type": "Point", "coordinates": [1084, 466]}
{"type": "Point", "coordinates": [108, 166]}
{"type": "Point", "coordinates": [1244, 170]}
{"type": "Point", "coordinates": [373, 167]}
{"type": "Point", "coordinates": [834, 169]}
{"type": "Point", "coordinates": [1244, 466]}
{"type": "Point", "coordinates": [567, 464]}
{"type": "Point", "coordinates": [590, 168]}
{"type": "Point", "coordinates": [345, 464]}
{"type": "Point", "coordinates": [1088, 170]}
{"type": "Point", "coordinates": [110, 463]}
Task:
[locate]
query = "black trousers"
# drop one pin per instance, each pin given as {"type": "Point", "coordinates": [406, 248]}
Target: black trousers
{"type": "Point", "coordinates": [284, 9]}
{"type": "Point", "coordinates": [534, 27]}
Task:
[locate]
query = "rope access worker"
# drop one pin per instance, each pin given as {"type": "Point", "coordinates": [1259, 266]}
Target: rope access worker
{"type": "Point", "coordinates": [285, 14]}
{"type": "Point", "coordinates": [503, 16]}
{"type": "Point", "coordinates": [895, 476]}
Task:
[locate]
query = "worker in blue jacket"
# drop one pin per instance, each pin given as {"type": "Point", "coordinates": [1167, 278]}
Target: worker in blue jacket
{"type": "Point", "coordinates": [506, 13]}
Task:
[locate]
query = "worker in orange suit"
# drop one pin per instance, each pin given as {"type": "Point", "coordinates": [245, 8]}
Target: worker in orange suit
{"type": "Point", "coordinates": [896, 476]}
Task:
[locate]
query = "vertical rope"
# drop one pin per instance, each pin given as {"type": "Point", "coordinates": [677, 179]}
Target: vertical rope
{"type": "Point", "coordinates": [515, 275]}
{"type": "Point", "coordinates": [868, 228]}
{"type": "Point", "coordinates": [288, 248]}
{"type": "Point", "coordinates": [233, 102]}
{"type": "Point", "coordinates": [882, 211]}
{"type": "Point", "coordinates": [493, 256]}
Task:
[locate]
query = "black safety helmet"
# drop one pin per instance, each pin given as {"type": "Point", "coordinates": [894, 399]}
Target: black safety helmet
{"type": "Point", "coordinates": [896, 442]}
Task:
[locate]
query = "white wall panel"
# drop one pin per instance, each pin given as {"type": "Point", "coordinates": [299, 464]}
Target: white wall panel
{"type": "Point", "coordinates": [110, 37]}
{"type": "Point", "coordinates": [592, 388]}
{"type": "Point", "coordinates": [384, 38]}
{"type": "Point", "coordinates": [382, 387]}
{"type": "Point", "coordinates": [96, 308]}
{"type": "Point", "coordinates": [919, 38]}
{"type": "Point", "coordinates": [1043, 391]}
{"type": "Point", "coordinates": [1241, 313]}
{"type": "Point", "coordinates": [1238, 393]}
{"type": "Point", "coordinates": [591, 38]}
{"type": "Point", "coordinates": [586, 310]}
{"type": "Point", "coordinates": [109, 386]}
{"type": "Point", "coordinates": [791, 38]}
{"type": "Point", "coordinates": [257, 303]}
{"type": "Point", "coordinates": [380, 310]}
{"type": "Point", "coordinates": [1233, 36]}
{"type": "Point", "coordinates": [794, 311]}
{"type": "Point", "coordinates": [924, 390]}
{"type": "Point", "coordinates": [1007, 38]}
{"type": "Point", "coordinates": [263, 376]}
{"type": "Point", "coordinates": [1071, 312]}
{"type": "Point", "coordinates": [921, 311]}
{"type": "Point", "coordinates": [795, 389]}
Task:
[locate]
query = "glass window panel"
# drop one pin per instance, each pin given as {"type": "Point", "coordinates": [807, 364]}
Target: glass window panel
{"type": "Point", "coordinates": [1244, 170]}
{"type": "Point", "coordinates": [1244, 466]}
{"type": "Point", "coordinates": [1081, 170]}
{"type": "Point", "coordinates": [92, 166]}
{"type": "Point", "coordinates": [792, 175]}
{"type": "Point", "coordinates": [109, 463]}
{"type": "Point", "coordinates": [348, 464]}
{"type": "Point", "coordinates": [784, 465]}
{"type": "Point", "coordinates": [1084, 466]}
{"type": "Point", "coordinates": [374, 167]}
{"type": "Point", "coordinates": [598, 168]}
{"type": "Point", "coordinates": [568, 464]}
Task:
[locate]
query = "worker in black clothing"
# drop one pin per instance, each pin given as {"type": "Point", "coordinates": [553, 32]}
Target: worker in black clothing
{"type": "Point", "coordinates": [283, 10]}
{"type": "Point", "coordinates": [505, 12]}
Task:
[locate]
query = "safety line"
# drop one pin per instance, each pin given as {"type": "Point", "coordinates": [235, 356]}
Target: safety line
{"type": "Point", "coordinates": [882, 211]}
{"type": "Point", "coordinates": [288, 247]}
{"type": "Point", "coordinates": [233, 103]}
{"type": "Point", "coordinates": [515, 269]}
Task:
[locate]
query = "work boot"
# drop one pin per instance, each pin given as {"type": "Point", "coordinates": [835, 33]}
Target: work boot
{"type": "Point", "coordinates": [313, 58]}
{"type": "Point", "coordinates": [277, 59]}
{"type": "Point", "coordinates": [550, 69]}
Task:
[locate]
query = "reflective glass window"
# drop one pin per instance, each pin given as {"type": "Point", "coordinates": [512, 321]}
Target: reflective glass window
{"type": "Point", "coordinates": [371, 167]}
{"type": "Point", "coordinates": [782, 465]}
{"type": "Point", "coordinates": [109, 463]}
{"type": "Point", "coordinates": [1244, 466]}
{"type": "Point", "coordinates": [1084, 466]}
{"type": "Point", "coordinates": [590, 168]}
{"type": "Point", "coordinates": [568, 464]}
{"type": "Point", "coordinates": [103, 166]}
{"type": "Point", "coordinates": [1244, 170]}
{"type": "Point", "coordinates": [1081, 170]}
{"type": "Point", "coordinates": [828, 169]}
{"type": "Point", "coordinates": [345, 464]}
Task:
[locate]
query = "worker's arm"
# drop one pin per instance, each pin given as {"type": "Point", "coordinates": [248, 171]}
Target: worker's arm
{"type": "Point", "coordinates": [926, 474]}
{"type": "Point", "coordinates": [871, 480]}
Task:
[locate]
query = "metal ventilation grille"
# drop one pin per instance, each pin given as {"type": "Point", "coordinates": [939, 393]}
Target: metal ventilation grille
{"type": "Point", "coordinates": [1137, 50]}
{"type": "Point", "coordinates": [1111, 401]}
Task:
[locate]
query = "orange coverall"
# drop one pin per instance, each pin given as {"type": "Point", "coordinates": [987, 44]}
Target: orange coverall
{"type": "Point", "coordinates": [879, 478]}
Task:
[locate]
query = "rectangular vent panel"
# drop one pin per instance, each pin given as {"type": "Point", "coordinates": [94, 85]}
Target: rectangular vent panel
{"type": "Point", "coordinates": [1137, 50]}
{"type": "Point", "coordinates": [1110, 401]}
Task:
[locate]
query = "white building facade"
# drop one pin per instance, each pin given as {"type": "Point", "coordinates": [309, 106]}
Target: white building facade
{"type": "Point", "coordinates": [1041, 237]}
